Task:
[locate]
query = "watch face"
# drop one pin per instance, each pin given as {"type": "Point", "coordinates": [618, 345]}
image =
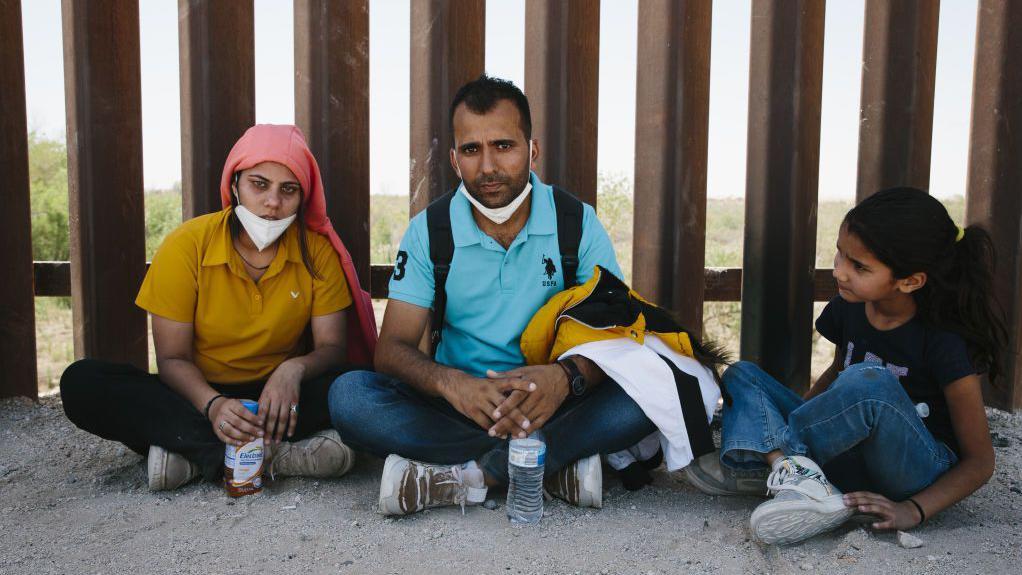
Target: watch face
{"type": "Point", "coordinates": [578, 385]}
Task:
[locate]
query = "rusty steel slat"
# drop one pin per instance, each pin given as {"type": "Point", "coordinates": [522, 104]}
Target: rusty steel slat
{"type": "Point", "coordinates": [17, 314]}
{"type": "Point", "coordinates": [672, 129]}
{"type": "Point", "coordinates": [217, 59]}
{"type": "Point", "coordinates": [332, 108]}
{"type": "Point", "coordinates": [785, 89]}
{"type": "Point", "coordinates": [104, 144]}
{"type": "Point", "coordinates": [447, 51]}
{"type": "Point", "coordinates": [562, 64]}
{"type": "Point", "coordinates": [899, 63]}
{"type": "Point", "coordinates": [994, 198]}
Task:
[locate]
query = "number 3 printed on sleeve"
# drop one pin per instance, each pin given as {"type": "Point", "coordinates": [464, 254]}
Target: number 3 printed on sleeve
{"type": "Point", "coordinates": [399, 265]}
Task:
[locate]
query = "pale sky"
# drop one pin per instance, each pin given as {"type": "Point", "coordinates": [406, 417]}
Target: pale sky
{"type": "Point", "coordinates": [505, 25]}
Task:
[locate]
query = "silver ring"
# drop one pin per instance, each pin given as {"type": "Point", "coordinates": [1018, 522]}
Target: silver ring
{"type": "Point", "coordinates": [294, 408]}
{"type": "Point", "coordinates": [222, 424]}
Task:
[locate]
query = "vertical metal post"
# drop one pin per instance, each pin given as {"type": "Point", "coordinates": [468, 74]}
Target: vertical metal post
{"type": "Point", "coordinates": [17, 314]}
{"type": "Point", "coordinates": [447, 50]}
{"type": "Point", "coordinates": [995, 172]}
{"type": "Point", "coordinates": [785, 88]}
{"type": "Point", "coordinates": [899, 63]}
{"type": "Point", "coordinates": [102, 81]}
{"type": "Point", "coordinates": [332, 108]}
{"type": "Point", "coordinates": [562, 65]}
{"type": "Point", "coordinates": [672, 130]}
{"type": "Point", "coordinates": [217, 55]}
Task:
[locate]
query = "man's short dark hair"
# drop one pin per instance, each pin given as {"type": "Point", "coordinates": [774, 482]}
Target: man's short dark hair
{"type": "Point", "coordinates": [483, 93]}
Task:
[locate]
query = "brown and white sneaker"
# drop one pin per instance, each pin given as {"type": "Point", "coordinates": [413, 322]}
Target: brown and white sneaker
{"type": "Point", "coordinates": [322, 454]}
{"type": "Point", "coordinates": [168, 470]}
{"type": "Point", "coordinates": [409, 486]}
{"type": "Point", "coordinates": [580, 483]}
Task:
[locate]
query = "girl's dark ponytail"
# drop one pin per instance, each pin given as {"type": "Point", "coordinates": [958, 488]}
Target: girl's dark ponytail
{"type": "Point", "coordinates": [910, 231]}
{"type": "Point", "coordinates": [970, 282]}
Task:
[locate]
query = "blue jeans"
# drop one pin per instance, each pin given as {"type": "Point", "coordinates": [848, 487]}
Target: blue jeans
{"type": "Point", "coordinates": [380, 415]}
{"type": "Point", "coordinates": [863, 430]}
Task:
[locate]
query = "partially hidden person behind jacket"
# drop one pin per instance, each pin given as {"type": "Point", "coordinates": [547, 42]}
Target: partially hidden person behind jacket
{"type": "Point", "coordinates": [230, 295]}
{"type": "Point", "coordinates": [671, 374]}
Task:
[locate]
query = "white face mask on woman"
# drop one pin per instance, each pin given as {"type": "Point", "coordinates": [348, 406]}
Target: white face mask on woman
{"type": "Point", "coordinates": [497, 215]}
{"type": "Point", "coordinates": [262, 232]}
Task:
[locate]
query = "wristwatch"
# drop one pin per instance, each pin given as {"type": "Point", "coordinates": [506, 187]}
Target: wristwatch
{"type": "Point", "coordinates": [576, 381]}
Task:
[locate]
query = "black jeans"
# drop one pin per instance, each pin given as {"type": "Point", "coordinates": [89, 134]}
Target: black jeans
{"type": "Point", "coordinates": [123, 403]}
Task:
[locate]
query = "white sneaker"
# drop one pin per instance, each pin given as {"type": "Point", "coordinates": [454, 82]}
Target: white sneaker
{"type": "Point", "coordinates": [804, 503]}
{"type": "Point", "coordinates": [580, 483]}
{"type": "Point", "coordinates": [322, 454]}
{"type": "Point", "coordinates": [409, 486]}
{"type": "Point", "coordinates": [168, 470]}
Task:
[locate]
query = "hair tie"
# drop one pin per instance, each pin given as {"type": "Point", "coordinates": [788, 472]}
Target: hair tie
{"type": "Point", "coordinates": [961, 234]}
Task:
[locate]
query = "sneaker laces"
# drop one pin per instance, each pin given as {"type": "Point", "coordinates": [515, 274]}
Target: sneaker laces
{"type": "Point", "coordinates": [451, 489]}
{"type": "Point", "coordinates": [790, 474]}
{"type": "Point", "coordinates": [558, 485]}
{"type": "Point", "coordinates": [288, 451]}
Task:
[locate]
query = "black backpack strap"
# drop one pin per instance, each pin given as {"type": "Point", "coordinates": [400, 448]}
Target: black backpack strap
{"type": "Point", "coordinates": [441, 252]}
{"type": "Point", "coordinates": [569, 233]}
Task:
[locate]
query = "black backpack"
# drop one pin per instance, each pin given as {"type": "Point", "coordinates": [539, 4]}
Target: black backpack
{"type": "Point", "coordinates": [441, 249]}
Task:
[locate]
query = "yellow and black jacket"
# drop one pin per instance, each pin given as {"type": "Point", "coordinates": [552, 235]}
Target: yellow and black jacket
{"type": "Point", "coordinates": [604, 308]}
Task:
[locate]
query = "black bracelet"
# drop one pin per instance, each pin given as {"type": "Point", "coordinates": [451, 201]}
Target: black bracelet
{"type": "Point", "coordinates": [922, 514]}
{"type": "Point", "coordinates": [209, 404]}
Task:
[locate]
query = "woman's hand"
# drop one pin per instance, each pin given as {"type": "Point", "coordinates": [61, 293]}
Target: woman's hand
{"type": "Point", "coordinates": [233, 423]}
{"type": "Point", "coordinates": [902, 515]}
{"type": "Point", "coordinates": [278, 403]}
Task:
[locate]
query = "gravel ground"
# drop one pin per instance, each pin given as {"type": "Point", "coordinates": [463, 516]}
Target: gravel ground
{"type": "Point", "coordinates": [73, 503]}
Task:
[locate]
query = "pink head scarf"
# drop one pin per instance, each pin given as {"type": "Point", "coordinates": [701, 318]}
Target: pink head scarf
{"type": "Point", "coordinates": [286, 145]}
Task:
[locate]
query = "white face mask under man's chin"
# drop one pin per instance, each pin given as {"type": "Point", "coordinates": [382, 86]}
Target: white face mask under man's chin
{"type": "Point", "coordinates": [496, 215]}
{"type": "Point", "coordinates": [262, 232]}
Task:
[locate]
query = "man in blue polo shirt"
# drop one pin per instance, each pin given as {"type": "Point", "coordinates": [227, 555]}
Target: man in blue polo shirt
{"type": "Point", "coordinates": [444, 422]}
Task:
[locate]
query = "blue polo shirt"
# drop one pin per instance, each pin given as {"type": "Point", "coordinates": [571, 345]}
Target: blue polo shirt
{"type": "Point", "coordinates": [492, 293]}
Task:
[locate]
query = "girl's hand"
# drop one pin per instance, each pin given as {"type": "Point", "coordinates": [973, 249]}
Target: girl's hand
{"type": "Point", "coordinates": [901, 516]}
{"type": "Point", "coordinates": [279, 395]}
{"type": "Point", "coordinates": [233, 423]}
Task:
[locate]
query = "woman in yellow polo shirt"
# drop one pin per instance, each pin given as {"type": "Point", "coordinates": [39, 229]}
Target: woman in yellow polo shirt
{"type": "Point", "coordinates": [231, 295]}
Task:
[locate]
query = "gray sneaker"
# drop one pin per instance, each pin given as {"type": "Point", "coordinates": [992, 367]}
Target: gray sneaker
{"type": "Point", "coordinates": [168, 470]}
{"type": "Point", "coordinates": [804, 504]}
{"type": "Point", "coordinates": [322, 454]}
{"type": "Point", "coordinates": [408, 486]}
{"type": "Point", "coordinates": [580, 483]}
{"type": "Point", "coordinates": [708, 475]}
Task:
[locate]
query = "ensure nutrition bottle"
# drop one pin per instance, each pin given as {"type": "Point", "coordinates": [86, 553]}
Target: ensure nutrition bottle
{"type": "Point", "coordinates": [243, 466]}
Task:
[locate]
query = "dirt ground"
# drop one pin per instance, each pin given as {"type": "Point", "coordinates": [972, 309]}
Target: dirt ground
{"type": "Point", "coordinates": [73, 503]}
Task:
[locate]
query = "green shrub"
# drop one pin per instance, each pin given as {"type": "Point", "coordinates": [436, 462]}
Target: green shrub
{"type": "Point", "coordinates": [47, 172]}
{"type": "Point", "coordinates": [162, 215]}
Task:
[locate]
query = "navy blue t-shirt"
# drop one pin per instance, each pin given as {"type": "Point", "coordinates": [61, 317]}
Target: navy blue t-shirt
{"type": "Point", "coordinates": [923, 359]}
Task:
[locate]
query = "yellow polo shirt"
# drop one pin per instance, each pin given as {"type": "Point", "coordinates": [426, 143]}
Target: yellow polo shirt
{"type": "Point", "coordinates": [243, 329]}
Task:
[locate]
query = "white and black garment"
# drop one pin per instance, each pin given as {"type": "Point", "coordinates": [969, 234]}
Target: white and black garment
{"type": "Point", "coordinates": [676, 392]}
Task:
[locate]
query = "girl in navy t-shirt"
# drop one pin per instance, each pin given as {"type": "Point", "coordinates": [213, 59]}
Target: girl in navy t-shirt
{"type": "Point", "coordinates": [897, 421]}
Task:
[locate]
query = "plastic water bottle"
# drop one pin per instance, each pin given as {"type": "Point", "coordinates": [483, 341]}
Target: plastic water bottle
{"type": "Point", "coordinates": [525, 491]}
